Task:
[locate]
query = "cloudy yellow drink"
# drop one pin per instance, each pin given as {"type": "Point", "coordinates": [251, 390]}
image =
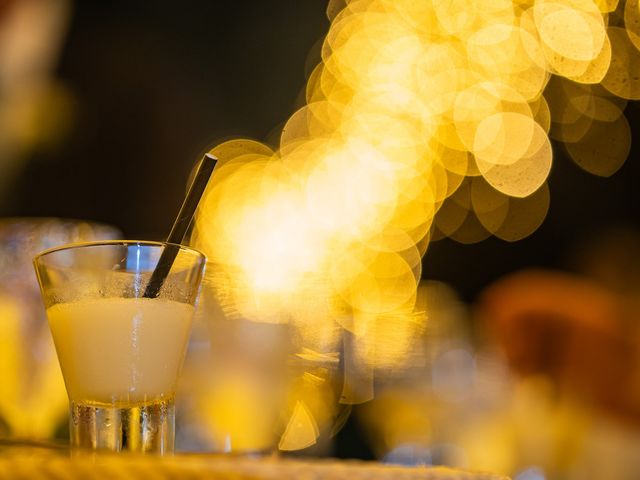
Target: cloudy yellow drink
{"type": "Point", "coordinates": [120, 350]}
{"type": "Point", "coordinates": [120, 358]}
{"type": "Point", "coordinates": [120, 313]}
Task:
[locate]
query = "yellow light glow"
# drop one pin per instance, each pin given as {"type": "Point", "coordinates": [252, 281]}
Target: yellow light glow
{"type": "Point", "coordinates": [412, 97]}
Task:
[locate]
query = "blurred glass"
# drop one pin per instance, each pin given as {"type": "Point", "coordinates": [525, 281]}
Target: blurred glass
{"type": "Point", "coordinates": [437, 408]}
{"type": "Point", "coordinates": [28, 360]}
{"type": "Point", "coordinates": [459, 402]}
{"type": "Point", "coordinates": [253, 383]}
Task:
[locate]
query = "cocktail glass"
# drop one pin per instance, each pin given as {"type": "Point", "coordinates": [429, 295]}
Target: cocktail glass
{"type": "Point", "coordinates": [120, 352]}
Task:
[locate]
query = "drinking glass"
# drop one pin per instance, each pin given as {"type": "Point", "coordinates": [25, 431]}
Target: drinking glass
{"type": "Point", "coordinates": [120, 351]}
{"type": "Point", "coordinates": [263, 374]}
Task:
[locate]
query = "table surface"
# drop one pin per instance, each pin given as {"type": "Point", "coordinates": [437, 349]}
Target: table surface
{"type": "Point", "coordinates": [28, 461]}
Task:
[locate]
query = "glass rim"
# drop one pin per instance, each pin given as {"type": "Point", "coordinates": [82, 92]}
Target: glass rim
{"type": "Point", "coordinates": [98, 243]}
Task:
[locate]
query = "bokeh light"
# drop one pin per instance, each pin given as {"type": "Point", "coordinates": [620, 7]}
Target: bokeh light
{"type": "Point", "coordinates": [424, 119]}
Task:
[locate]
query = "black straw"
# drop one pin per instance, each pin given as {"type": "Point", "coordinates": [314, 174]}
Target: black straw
{"type": "Point", "coordinates": [180, 226]}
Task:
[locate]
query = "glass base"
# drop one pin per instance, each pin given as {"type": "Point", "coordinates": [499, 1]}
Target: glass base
{"type": "Point", "coordinates": [143, 428]}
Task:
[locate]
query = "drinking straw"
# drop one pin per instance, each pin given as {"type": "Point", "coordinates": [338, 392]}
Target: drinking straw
{"type": "Point", "coordinates": [180, 226]}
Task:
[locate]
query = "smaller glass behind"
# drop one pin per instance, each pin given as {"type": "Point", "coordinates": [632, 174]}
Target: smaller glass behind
{"type": "Point", "coordinates": [264, 372]}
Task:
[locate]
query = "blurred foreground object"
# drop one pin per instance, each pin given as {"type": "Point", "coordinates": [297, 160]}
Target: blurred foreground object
{"type": "Point", "coordinates": [457, 403]}
{"type": "Point", "coordinates": [582, 335]}
{"type": "Point", "coordinates": [574, 340]}
{"type": "Point", "coordinates": [35, 111]}
{"type": "Point", "coordinates": [452, 404]}
{"type": "Point", "coordinates": [33, 400]}
{"type": "Point", "coordinates": [252, 383]}
{"type": "Point", "coordinates": [41, 462]}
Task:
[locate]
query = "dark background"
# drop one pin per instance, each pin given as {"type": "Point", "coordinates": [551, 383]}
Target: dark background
{"type": "Point", "coordinates": [155, 84]}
